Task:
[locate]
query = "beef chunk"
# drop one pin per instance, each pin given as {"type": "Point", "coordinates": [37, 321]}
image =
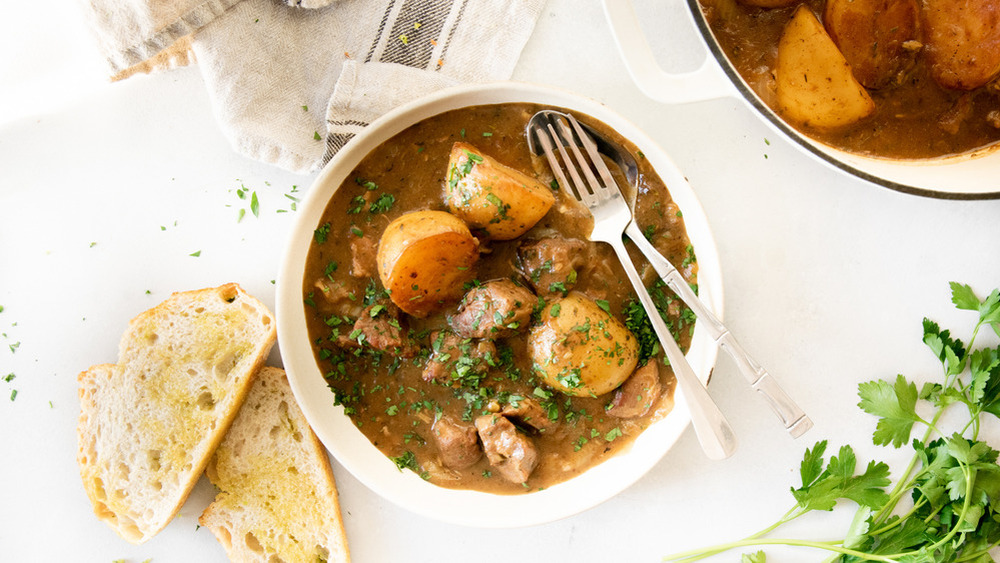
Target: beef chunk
{"type": "Point", "coordinates": [529, 412]}
{"type": "Point", "coordinates": [363, 251]}
{"type": "Point", "coordinates": [636, 396]}
{"type": "Point", "coordinates": [381, 326]}
{"type": "Point", "coordinates": [454, 359]}
{"type": "Point", "coordinates": [511, 452]}
{"type": "Point", "coordinates": [457, 442]}
{"type": "Point", "coordinates": [552, 264]}
{"type": "Point", "coordinates": [496, 309]}
{"type": "Point", "coordinates": [333, 298]}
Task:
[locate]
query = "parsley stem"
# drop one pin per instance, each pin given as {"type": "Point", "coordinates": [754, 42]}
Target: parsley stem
{"type": "Point", "coordinates": [976, 555]}
{"type": "Point", "coordinates": [959, 520]}
{"type": "Point", "coordinates": [697, 554]}
{"type": "Point", "coordinates": [792, 514]}
{"type": "Point", "coordinates": [905, 482]}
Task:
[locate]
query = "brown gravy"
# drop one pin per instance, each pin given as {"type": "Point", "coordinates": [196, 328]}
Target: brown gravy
{"type": "Point", "coordinates": [386, 396]}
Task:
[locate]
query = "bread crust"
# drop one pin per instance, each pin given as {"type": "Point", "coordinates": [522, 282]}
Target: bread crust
{"type": "Point", "coordinates": [149, 424]}
{"type": "Point", "coordinates": [277, 496]}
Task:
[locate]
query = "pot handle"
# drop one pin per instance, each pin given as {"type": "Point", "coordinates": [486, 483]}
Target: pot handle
{"type": "Point", "coordinates": [707, 82]}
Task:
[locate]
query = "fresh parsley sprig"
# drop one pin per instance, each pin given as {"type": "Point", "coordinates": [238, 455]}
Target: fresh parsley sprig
{"type": "Point", "coordinates": [950, 485]}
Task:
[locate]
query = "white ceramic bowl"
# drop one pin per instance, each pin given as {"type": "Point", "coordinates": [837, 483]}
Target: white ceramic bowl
{"type": "Point", "coordinates": [353, 450]}
{"type": "Point", "coordinates": [969, 176]}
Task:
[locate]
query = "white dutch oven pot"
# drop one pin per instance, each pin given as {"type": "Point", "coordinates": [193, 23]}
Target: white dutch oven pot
{"type": "Point", "coordinates": [967, 176]}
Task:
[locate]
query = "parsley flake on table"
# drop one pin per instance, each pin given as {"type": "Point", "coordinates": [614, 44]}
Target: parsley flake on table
{"type": "Point", "coordinates": [952, 482]}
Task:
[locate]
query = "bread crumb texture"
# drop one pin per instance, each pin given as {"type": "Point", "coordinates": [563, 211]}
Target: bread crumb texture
{"type": "Point", "coordinates": [149, 423]}
{"type": "Point", "coordinates": [277, 499]}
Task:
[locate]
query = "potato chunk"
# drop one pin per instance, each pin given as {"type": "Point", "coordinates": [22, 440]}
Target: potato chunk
{"type": "Point", "coordinates": [815, 85]}
{"type": "Point", "coordinates": [493, 197]}
{"type": "Point", "coordinates": [873, 36]}
{"type": "Point", "coordinates": [963, 41]}
{"type": "Point", "coordinates": [580, 349]}
{"type": "Point", "coordinates": [424, 259]}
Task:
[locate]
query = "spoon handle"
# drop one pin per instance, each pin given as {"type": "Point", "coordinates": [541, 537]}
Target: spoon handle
{"type": "Point", "coordinates": [792, 416]}
{"type": "Point", "coordinates": [715, 435]}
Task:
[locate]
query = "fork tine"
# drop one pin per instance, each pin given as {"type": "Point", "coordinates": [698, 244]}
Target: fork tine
{"type": "Point", "coordinates": [598, 162]}
{"type": "Point", "coordinates": [566, 138]}
{"type": "Point", "coordinates": [601, 192]}
{"type": "Point", "coordinates": [546, 141]}
{"type": "Point", "coordinates": [582, 194]}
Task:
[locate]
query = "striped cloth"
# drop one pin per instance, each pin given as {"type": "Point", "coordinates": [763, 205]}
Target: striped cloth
{"type": "Point", "coordinates": [292, 81]}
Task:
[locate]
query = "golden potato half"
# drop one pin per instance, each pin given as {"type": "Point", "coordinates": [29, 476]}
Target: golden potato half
{"type": "Point", "coordinates": [815, 84]}
{"type": "Point", "coordinates": [424, 259]}
{"type": "Point", "coordinates": [494, 197]}
{"type": "Point", "coordinates": [580, 349]}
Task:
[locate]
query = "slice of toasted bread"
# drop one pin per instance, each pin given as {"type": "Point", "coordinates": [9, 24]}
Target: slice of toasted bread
{"type": "Point", "coordinates": [277, 499]}
{"type": "Point", "coordinates": [149, 424]}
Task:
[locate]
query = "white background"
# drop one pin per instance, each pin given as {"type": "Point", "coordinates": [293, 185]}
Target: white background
{"type": "Point", "coordinates": [106, 190]}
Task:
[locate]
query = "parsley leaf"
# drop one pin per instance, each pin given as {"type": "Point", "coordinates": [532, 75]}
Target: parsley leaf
{"type": "Point", "coordinates": [895, 404]}
{"type": "Point", "coordinates": [820, 491]}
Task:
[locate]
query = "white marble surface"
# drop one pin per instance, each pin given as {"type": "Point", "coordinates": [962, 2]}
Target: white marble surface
{"type": "Point", "coordinates": [106, 191]}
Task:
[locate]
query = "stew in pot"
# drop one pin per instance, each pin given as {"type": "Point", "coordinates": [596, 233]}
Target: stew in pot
{"type": "Point", "coordinates": [901, 79]}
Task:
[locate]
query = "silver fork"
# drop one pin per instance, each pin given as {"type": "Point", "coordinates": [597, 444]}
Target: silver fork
{"type": "Point", "coordinates": [611, 215]}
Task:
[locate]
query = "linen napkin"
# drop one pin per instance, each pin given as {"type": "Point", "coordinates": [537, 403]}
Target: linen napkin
{"type": "Point", "coordinates": [291, 82]}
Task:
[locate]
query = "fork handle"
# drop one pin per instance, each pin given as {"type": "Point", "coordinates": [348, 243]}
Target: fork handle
{"type": "Point", "coordinates": [713, 430]}
{"type": "Point", "coordinates": [792, 416]}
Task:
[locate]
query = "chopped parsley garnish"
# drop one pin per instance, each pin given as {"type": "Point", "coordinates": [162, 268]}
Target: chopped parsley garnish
{"type": "Point", "coordinates": [357, 204]}
{"type": "Point", "coordinates": [689, 259]}
{"type": "Point", "coordinates": [570, 378]}
{"type": "Point", "coordinates": [639, 325]}
{"type": "Point", "coordinates": [322, 233]}
{"type": "Point", "coordinates": [382, 204]}
{"type": "Point", "coordinates": [502, 207]}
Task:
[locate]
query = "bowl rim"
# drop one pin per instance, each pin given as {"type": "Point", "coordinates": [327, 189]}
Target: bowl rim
{"type": "Point", "coordinates": [404, 488]}
{"type": "Point", "coordinates": [815, 148]}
